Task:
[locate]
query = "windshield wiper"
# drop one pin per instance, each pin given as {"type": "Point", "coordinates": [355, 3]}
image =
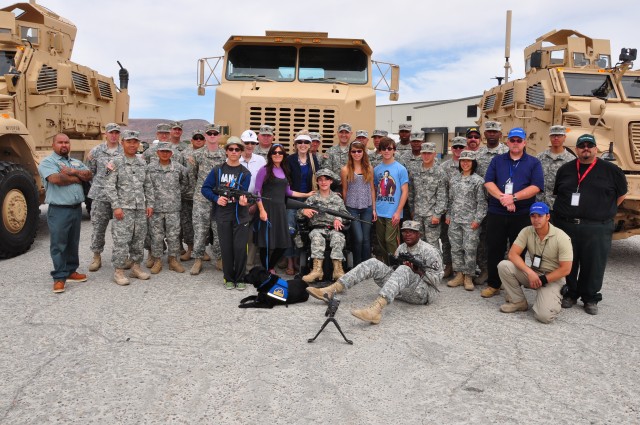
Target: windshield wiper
{"type": "Point", "coordinates": [253, 77]}
{"type": "Point", "coordinates": [326, 80]}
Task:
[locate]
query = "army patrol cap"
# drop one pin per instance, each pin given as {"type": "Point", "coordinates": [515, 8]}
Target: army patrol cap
{"type": "Point", "coordinates": [163, 128]}
{"type": "Point", "coordinates": [428, 147]}
{"type": "Point", "coordinates": [164, 146]}
{"type": "Point", "coordinates": [586, 138]}
{"type": "Point", "coordinates": [130, 134]}
{"type": "Point", "coordinates": [176, 124]}
{"type": "Point", "coordinates": [558, 130]}
{"type": "Point", "coordinates": [411, 225]}
{"type": "Point", "coordinates": [344, 126]}
{"type": "Point", "coordinates": [492, 126]}
{"type": "Point", "coordinates": [380, 133]}
{"type": "Point", "coordinates": [417, 136]}
{"type": "Point", "coordinates": [234, 140]}
{"type": "Point", "coordinates": [470, 155]}
{"type": "Point", "coordinates": [405, 127]}
{"type": "Point", "coordinates": [212, 127]}
{"type": "Point", "coordinates": [197, 132]}
{"type": "Point", "coordinates": [362, 133]}
{"type": "Point", "coordinates": [112, 127]}
{"type": "Point", "coordinates": [327, 173]}
{"type": "Point", "coordinates": [266, 129]}
{"type": "Point", "coordinates": [315, 136]}
{"type": "Point", "coordinates": [459, 141]}
{"type": "Point", "coordinates": [249, 136]}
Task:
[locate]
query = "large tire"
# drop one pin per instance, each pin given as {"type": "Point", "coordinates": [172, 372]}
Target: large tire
{"type": "Point", "coordinates": [19, 210]}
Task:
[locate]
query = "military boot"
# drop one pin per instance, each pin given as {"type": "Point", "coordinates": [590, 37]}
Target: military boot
{"type": "Point", "coordinates": [456, 281]}
{"type": "Point", "coordinates": [137, 272]}
{"type": "Point", "coordinates": [316, 273]}
{"type": "Point", "coordinates": [175, 265]}
{"type": "Point", "coordinates": [205, 256]}
{"type": "Point", "coordinates": [448, 270]}
{"type": "Point", "coordinates": [197, 267]}
{"type": "Point", "coordinates": [482, 278]}
{"type": "Point", "coordinates": [318, 293]}
{"type": "Point", "coordinates": [338, 272]}
{"type": "Point", "coordinates": [96, 263]}
{"type": "Point", "coordinates": [120, 278]}
{"type": "Point", "coordinates": [187, 254]}
{"type": "Point", "coordinates": [219, 264]}
{"type": "Point", "coordinates": [468, 283]}
{"type": "Point", "coordinates": [150, 259]}
{"type": "Point", "coordinates": [128, 264]}
{"type": "Point", "coordinates": [156, 267]}
{"type": "Point", "coordinates": [373, 313]}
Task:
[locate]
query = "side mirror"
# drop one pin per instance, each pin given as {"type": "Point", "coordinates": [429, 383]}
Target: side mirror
{"type": "Point", "coordinates": [597, 107]}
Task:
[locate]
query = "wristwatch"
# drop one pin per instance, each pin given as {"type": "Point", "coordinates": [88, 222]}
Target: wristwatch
{"type": "Point", "coordinates": [514, 198]}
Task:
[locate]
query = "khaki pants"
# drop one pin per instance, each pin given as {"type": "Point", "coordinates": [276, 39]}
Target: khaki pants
{"type": "Point", "coordinates": [548, 298]}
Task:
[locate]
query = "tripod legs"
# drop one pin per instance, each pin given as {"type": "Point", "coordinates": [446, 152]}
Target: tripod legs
{"type": "Point", "coordinates": [326, 322]}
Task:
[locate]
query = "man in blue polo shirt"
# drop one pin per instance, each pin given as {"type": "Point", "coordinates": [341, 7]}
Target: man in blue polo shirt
{"type": "Point", "coordinates": [513, 179]}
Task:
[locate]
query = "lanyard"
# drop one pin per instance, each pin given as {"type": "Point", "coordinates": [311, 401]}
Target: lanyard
{"type": "Point", "coordinates": [580, 178]}
{"type": "Point", "coordinates": [512, 169]}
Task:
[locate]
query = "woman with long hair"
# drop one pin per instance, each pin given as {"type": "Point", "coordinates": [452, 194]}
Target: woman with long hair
{"type": "Point", "coordinates": [359, 197]}
{"type": "Point", "coordinates": [273, 182]}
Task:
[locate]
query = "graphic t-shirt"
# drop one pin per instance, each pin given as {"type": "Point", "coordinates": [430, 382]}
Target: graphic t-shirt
{"type": "Point", "coordinates": [388, 179]}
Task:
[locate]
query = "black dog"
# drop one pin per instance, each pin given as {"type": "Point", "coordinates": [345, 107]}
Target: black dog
{"type": "Point", "coordinates": [272, 290]}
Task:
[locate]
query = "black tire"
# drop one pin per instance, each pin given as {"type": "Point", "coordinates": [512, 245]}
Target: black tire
{"type": "Point", "coordinates": [17, 231]}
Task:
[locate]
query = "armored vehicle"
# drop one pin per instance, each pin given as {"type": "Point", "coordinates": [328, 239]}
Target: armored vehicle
{"type": "Point", "coordinates": [42, 93]}
{"type": "Point", "coordinates": [570, 80]}
{"type": "Point", "coordinates": [296, 80]}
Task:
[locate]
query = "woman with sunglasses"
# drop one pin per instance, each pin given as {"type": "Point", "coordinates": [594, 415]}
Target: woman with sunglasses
{"type": "Point", "coordinates": [273, 182]}
{"type": "Point", "coordinates": [302, 168]}
{"type": "Point", "coordinates": [358, 193]}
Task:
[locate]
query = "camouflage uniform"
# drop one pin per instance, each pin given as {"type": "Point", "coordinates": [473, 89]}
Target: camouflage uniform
{"type": "Point", "coordinates": [550, 164]}
{"type": "Point", "coordinates": [401, 148]}
{"type": "Point", "coordinates": [203, 162]}
{"type": "Point", "coordinates": [168, 184]}
{"type": "Point", "coordinates": [427, 199]}
{"type": "Point", "coordinates": [335, 158]}
{"type": "Point", "coordinates": [450, 169]}
{"type": "Point", "coordinates": [100, 162]}
{"type": "Point", "coordinates": [402, 282]}
{"type": "Point", "coordinates": [186, 211]}
{"type": "Point", "coordinates": [322, 225]}
{"type": "Point", "coordinates": [375, 158]}
{"type": "Point", "coordinates": [259, 150]}
{"type": "Point", "coordinates": [129, 187]}
{"type": "Point", "coordinates": [410, 161]}
{"type": "Point", "coordinates": [151, 155]}
{"type": "Point", "coordinates": [467, 203]}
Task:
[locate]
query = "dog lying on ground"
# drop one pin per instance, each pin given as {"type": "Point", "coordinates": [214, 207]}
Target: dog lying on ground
{"type": "Point", "coordinates": [273, 290]}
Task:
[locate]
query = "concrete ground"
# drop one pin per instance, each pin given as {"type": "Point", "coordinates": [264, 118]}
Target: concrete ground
{"type": "Point", "coordinates": [177, 349]}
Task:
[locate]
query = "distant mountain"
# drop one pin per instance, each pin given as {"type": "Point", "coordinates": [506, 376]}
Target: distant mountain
{"type": "Point", "coordinates": [147, 127]}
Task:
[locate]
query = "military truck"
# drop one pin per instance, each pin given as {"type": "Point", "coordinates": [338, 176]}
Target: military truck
{"type": "Point", "coordinates": [43, 93]}
{"type": "Point", "coordinates": [296, 80]}
{"type": "Point", "coordinates": [570, 80]}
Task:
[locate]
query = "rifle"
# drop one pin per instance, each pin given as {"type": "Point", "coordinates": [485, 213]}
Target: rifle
{"type": "Point", "coordinates": [292, 204]}
{"type": "Point", "coordinates": [230, 192]}
{"type": "Point", "coordinates": [408, 257]}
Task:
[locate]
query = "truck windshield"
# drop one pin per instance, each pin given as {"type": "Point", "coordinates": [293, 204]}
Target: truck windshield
{"type": "Point", "coordinates": [262, 63]}
{"type": "Point", "coordinates": [7, 62]}
{"type": "Point", "coordinates": [631, 86]}
{"type": "Point", "coordinates": [333, 64]}
{"type": "Point", "coordinates": [590, 85]}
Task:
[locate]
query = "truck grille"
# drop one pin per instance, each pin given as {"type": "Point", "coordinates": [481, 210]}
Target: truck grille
{"type": "Point", "coordinates": [47, 79]}
{"type": "Point", "coordinates": [105, 90]}
{"type": "Point", "coordinates": [289, 120]}
{"type": "Point", "coordinates": [572, 121]}
{"type": "Point", "coordinates": [6, 105]}
{"type": "Point", "coordinates": [80, 82]}
{"type": "Point", "coordinates": [489, 103]}
{"type": "Point", "coordinates": [634, 140]}
{"type": "Point", "coordinates": [507, 100]}
{"type": "Point", "coordinates": [535, 95]}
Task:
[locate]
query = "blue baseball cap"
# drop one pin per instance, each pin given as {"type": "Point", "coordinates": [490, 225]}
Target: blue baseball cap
{"type": "Point", "coordinates": [517, 132]}
{"type": "Point", "coordinates": [539, 208]}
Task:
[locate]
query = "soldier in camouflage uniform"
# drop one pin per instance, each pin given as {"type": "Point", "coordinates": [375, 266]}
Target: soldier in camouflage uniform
{"type": "Point", "coordinates": [428, 195]}
{"type": "Point", "coordinates": [175, 137]}
{"type": "Point", "coordinates": [265, 140]}
{"type": "Point", "coordinates": [315, 143]}
{"type": "Point", "coordinates": [450, 169]}
{"type": "Point", "coordinates": [406, 282]}
{"type": "Point", "coordinates": [169, 182]}
{"type": "Point", "coordinates": [412, 158]}
{"type": "Point", "coordinates": [336, 156]}
{"type": "Point", "coordinates": [100, 162]}
{"type": "Point", "coordinates": [466, 208]}
{"type": "Point", "coordinates": [551, 160]}
{"type": "Point", "coordinates": [404, 132]}
{"type": "Point", "coordinates": [325, 226]}
{"type": "Point", "coordinates": [186, 211]}
{"type": "Point", "coordinates": [375, 157]}
{"type": "Point", "coordinates": [163, 131]}
{"type": "Point", "coordinates": [130, 192]}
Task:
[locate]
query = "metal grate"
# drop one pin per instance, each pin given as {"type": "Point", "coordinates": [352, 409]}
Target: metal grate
{"type": "Point", "coordinates": [80, 82]}
{"type": "Point", "coordinates": [47, 79]}
{"type": "Point", "coordinates": [572, 121]}
{"type": "Point", "coordinates": [507, 100]}
{"type": "Point", "coordinates": [634, 140]}
{"type": "Point", "coordinates": [489, 103]}
{"type": "Point", "coordinates": [105, 90]}
{"type": "Point", "coordinates": [535, 95]}
{"type": "Point", "coordinates": [6, 105]}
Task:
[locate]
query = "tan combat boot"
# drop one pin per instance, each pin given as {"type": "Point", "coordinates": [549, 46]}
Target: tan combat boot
{"type": "Point", "coordinates": [197, 267]}
{"type": "Point", "coordinates": [120, 278]}
{"type": "Point", "coordinates": [318, 293]}
{"type": "Point", "coordinates": [128, 264]}
{"type": "Point", "coordinates": [337, 269]}
{"type": "Point", "coordinates": [150, 260]}
{"type": "Point", "coordinates": [96, 263]}
{"type": "Point", "coordinates": [187, 254]}
{"type": "Point", "coordinates": [509, 307]}
{"type": "Point", "coordinates": [137, 272]}
{"type": "Point", "coordinates": [175, 265]}
{"type": "Point", "coordinates": [156, 267]}
{"type": "Point", "coordinates": [456, 281]}
{"type": "Point", "coordinates": [373, 313]}
{"type": "Point", "coordinates": [315, 273]}
{"type": "Point", "coordinates": [219, 264]}
{"type": "Point", "coordinates": [468, 283]}
{"type": "Point", "coordinates": [205, 256]}
{"type": "Point", "coordinates": [448, 270]}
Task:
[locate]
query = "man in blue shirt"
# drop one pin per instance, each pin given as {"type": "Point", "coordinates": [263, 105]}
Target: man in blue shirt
{"type": "Point", "coordinates": [512, 180]}
{"type": "Point", "coordinates": [62, 179]}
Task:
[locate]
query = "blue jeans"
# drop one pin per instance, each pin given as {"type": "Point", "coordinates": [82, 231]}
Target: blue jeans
{"type": "Point", "coordinates": [361, 234]}
{"type": "Point", "coordinates": [64, 234]}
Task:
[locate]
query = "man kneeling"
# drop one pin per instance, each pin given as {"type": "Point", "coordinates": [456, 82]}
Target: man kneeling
{"type": "Point", "coordinates": [551, 259]}
{"type": "Point", "coordinates": [406, 281]}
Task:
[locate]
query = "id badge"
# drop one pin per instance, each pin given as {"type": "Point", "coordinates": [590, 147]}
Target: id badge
{"type": "Point", "coordinates": [536, 261]}
{"type": "Point", "coordinates": [508, 188]}
{"type": "Point", "coordinates": [575, 199]}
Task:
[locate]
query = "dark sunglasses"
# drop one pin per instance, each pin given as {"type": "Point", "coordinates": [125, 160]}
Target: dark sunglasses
{"type": "Point", "coordinates": [388, 148]}
{"type": "Point", "coordinates": [457, 147]}
{"type": "Point", "coordinates": [234, 150]}
{"type": "Point", "coordinates": [585, 146]}
{"type": "Point", "coordinates": [303, 142]}
{"type": "Point", "coordinates": [250, 143]}
{"type": "Point", "coordinates": [473, 137]}
{"type": "Point", "coordinates": [516, 140]}
{"type": "Point", "coordinates": [212, 133]}
{"type": "Point", "coordinates": [356, 151]}
{"type": "Point", "coordinates": [274, 153]}
{"type": "Point", "coordinates": [198, 138]}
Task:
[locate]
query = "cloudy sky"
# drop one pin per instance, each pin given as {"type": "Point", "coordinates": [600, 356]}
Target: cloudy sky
{"type": "Point", "coordinates": [445, 49]}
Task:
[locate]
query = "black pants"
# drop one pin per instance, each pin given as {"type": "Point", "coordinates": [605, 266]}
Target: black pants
{"type": "Point", "coordinates": [501, 229]}
{"type": "Point", "coordinates": [233, 239]}
{"type": "Point", "coordinates": [591, 245]}
{"type": "Point", "coordinates": [274, 256]}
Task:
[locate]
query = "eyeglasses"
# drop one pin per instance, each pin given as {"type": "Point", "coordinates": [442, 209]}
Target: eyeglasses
{"type": "Point", "coordinates": [274, 153]}
{"type": "Point", "coordinates": [457, 147]}
{"type": "Point", "coordinates": [250, 143]}
{"type": "Point", "coordinates": [473, 137]}
{"type": "Point", "coordinates": [212, 133]}
{"type": "Point", "coordinates": [585, 146]}
{"type": "Point", "coordinates": [518, 140]}
{"type": "Point", "coordinates": [303, 142]}
{"type": "Point", "coordinates": [234, 150]}
{"type": "Point", "coordinates": [388, 148]}
{"type": "Point", "coordinates": [356, 151]}
{"type": "Point", "coordinates": [198, 138]}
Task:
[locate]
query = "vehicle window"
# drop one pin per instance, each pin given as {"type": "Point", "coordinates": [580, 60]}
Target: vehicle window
{"type": "Point", "coordinates": [579, 59]}
{"type": "Point", "coordinates": [333, 64]}
{"type": "Point", "coordinates": [604, 61]}
{"type": "Point", "coordinates": [248, 63]}
{"type": "Point", "coordinates": [590, 85]}
{"type": "Point", "coordinates": [631, 86]}
{"type": "Point", "coordinates": [7, 62]}
{"type": "Point", "coordinates": [30, 34]}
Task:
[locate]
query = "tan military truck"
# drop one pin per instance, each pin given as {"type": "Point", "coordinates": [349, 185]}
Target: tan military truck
{"type": "Point", "coordinates": [571, 80]}
{"type": "Point", "coordinates": [296, 80]}
{"type": "Point", "coordinates": [43, 93]}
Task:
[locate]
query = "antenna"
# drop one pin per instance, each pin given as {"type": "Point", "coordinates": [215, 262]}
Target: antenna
{"type": "Point", "coordinates": [507, 48]}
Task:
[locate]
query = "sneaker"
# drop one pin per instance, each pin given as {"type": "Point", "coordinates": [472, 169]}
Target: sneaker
{"type": "Point", "coordinates": [229, 285]}
{"type": "Point", "coordinates": [241, 286]}
{"type": "Point", "coordinates": [77, 277]}
{"type": "Point", "coordinates": [58, 286]}
{"type": "Point", "coordinates": [591, 308]}
{"type": "Point", "coordinates": [568, 302]}
{"type": "Point", "coordinates": [489, 292]}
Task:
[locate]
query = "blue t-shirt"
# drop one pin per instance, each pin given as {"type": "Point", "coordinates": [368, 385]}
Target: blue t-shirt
{"type": "Point", "coordinates": [389, 179]}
